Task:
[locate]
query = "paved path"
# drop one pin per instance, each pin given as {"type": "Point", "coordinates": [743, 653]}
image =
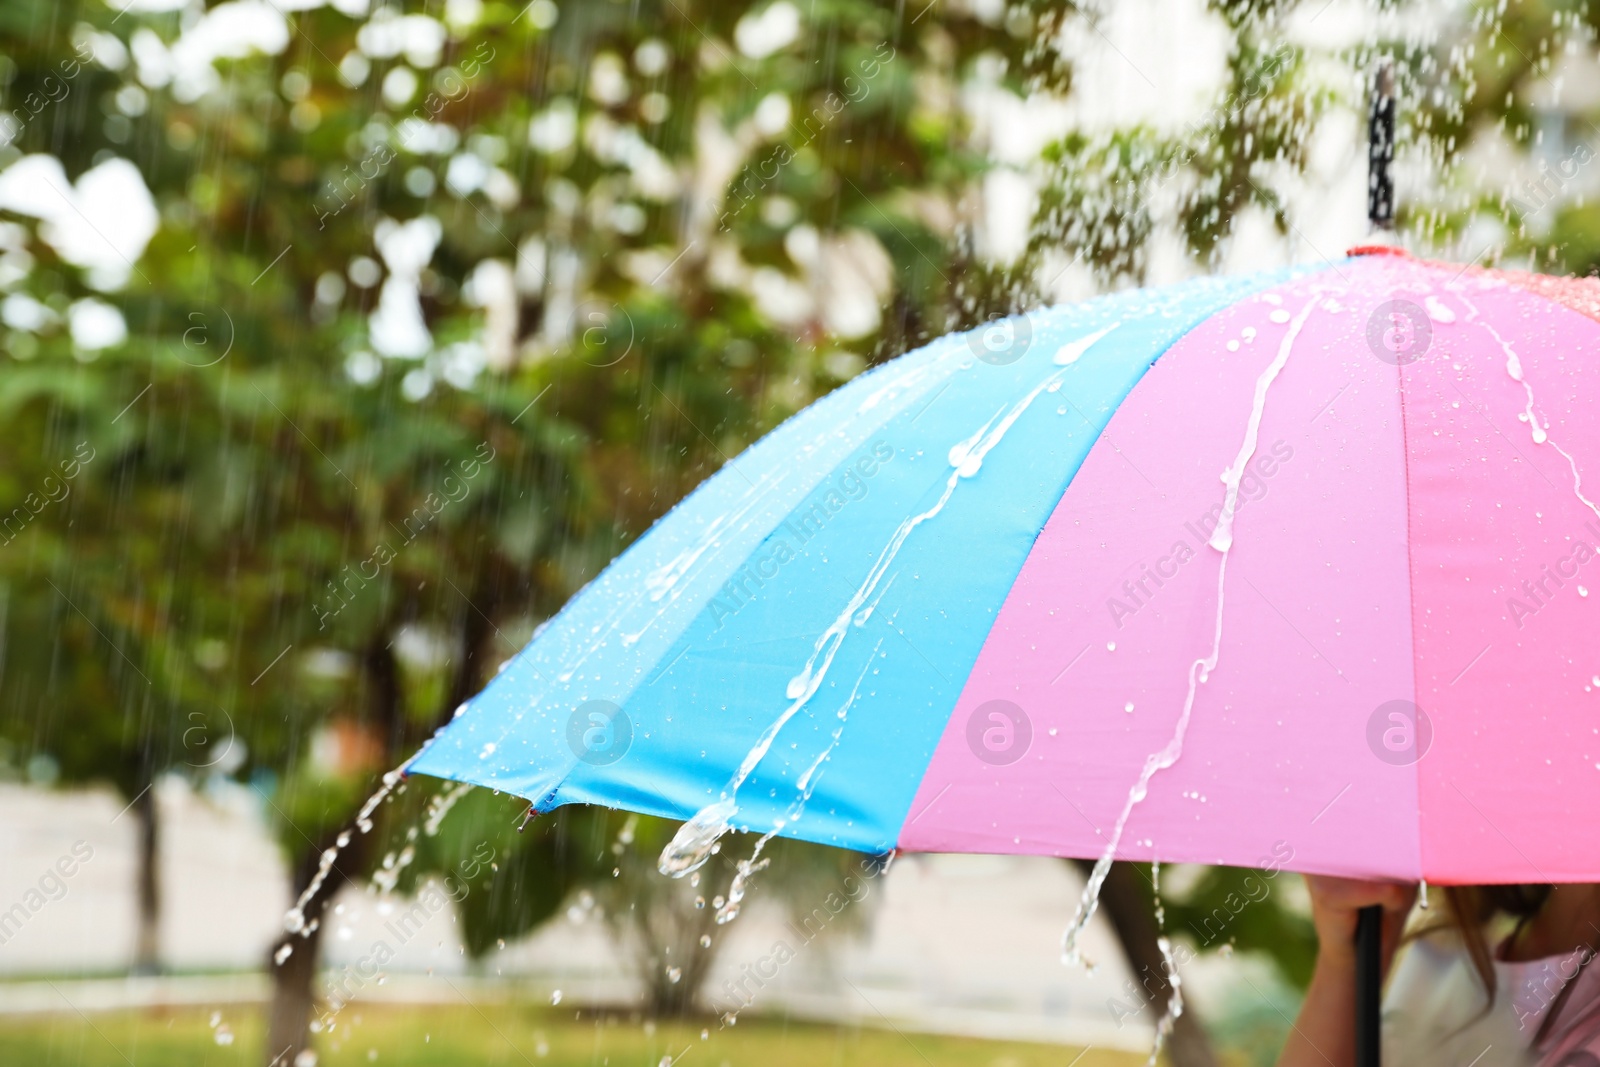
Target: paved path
{"type": "Point", "coordinates": [959, 944]}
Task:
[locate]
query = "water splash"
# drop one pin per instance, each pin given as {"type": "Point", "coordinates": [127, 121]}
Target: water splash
{"type": "Point", "coordinates": [691, 846]}
{"type": "Point", "coordinates": [294, 920]}
{"type": "Point", "coordinates": [441, 804]}
{"type": "Point", "coordinates": [806, 784]}
{"type": "Point", "coordinates": [1070, 352]}
{"type": "Point", "coordinates": [394, 864]}
{"type": "Point", "coordinates": [1200, 669]}
{"type": "Point", "coordinates": [665, 581]}
{"type": "Point", "coordinates": [1222, 536]}
{"type": "Point", "coordinates": [1540, 435]}
{"type": "Point", "coordinates": [695, 840]}
{"type": "Point", "coordinates": [728, 910]}
{"type": "Point", "coordinates": [1174, 1009]}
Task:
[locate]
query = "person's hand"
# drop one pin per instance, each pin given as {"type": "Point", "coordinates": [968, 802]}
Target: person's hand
{"type": "Point", "coordinates": [1335, 904]}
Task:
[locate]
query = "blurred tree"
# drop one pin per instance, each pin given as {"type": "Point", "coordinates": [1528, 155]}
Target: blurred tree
{"type": "Point", "coordinates": [438, 314]}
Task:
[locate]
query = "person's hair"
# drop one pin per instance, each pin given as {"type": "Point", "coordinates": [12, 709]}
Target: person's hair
{"type": "Point", "coordinates": [1471, 908]}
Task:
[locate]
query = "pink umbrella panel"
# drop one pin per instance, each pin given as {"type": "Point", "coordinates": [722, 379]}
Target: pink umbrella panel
{"type": "Point", "coordinates": [1406, 645]}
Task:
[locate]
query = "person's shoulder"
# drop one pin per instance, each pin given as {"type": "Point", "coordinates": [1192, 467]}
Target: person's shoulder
{"type": "Point", "coordinates": [1435, 947]}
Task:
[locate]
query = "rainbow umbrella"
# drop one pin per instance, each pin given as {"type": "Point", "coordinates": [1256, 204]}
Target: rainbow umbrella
{"type": "Point", "coordinates": [1288, 570]}
{"type": "Point", "coordinates": [1293, 568]}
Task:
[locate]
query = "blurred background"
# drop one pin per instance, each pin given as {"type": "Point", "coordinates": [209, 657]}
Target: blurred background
{"type": "Point", "coordinates": [341, 341]}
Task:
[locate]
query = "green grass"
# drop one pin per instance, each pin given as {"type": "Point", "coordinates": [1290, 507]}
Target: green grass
{"type": "Point", "coordinates": [515, 1036]}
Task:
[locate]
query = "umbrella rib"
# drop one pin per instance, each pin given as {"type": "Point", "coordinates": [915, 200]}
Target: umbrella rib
{"type": "Point", "coordinates": [1106, 437]}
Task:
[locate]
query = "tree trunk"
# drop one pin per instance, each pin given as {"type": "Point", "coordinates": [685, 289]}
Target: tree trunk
{"type": "Point", "coordinates": [147, 939]}
{"type": "Point", "coordinates": [1125, 902]}
{"type": "Point", "coordinates": [289, 1016]}
{"type": "Point", "coordinates": [294, 980]}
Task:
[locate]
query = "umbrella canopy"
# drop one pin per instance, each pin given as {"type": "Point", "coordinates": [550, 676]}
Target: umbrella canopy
{"type": "Point", "coordinates": [1291, 569]}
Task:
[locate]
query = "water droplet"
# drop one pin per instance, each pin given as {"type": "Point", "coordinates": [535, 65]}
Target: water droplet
{"type": "Point", "coordinates": [696, 839]}
{"type": "Point", "coordinates": [1111, 646]}
{"type": "Point", "coordinates": [705, 940]}
{"type": "Point", "coordinates": [1128, 707]}
{"type": "Point", "coordinates": [674, 975]}
{"type": "Point", "coordinates": [1279, 316]}
{"type": "Point", "coordinates": [555, 998]}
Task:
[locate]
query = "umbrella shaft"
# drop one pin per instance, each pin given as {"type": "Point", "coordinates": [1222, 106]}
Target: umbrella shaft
{"type": "Point", "coordinates": [1369, 951]}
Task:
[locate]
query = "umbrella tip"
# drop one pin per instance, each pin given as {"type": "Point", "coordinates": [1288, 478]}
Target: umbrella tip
{"type": "Point", "coordinates": [1377, 250]}
{"type": "Point", "coordinates": [1380, 147]}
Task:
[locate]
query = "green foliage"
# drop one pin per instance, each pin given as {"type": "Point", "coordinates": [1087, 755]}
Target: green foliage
{"type": "Point", "coordinates": [1106, 193]}
{"type": "Point", "coordinates": [1246, 910]}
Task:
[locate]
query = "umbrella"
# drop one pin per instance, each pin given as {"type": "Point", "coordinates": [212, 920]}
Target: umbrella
{"type": "Point", "coordinates": [1292, 569]}
{"type": "Point", "coordinates": [1302, 558]}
